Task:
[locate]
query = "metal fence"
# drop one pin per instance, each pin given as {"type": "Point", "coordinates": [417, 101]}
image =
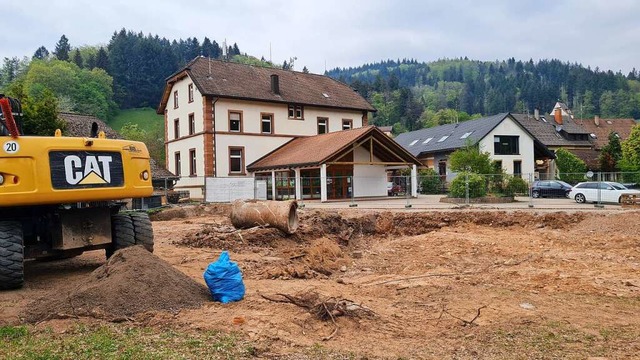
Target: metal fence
{"type": "Point", "coordinates": [466, 188]}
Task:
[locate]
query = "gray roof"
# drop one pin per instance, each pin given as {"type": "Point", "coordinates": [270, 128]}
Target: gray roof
{"type": "Point", "coordinates": [479, 128]}
{"type": "Point", "coordinates": [546, 131]}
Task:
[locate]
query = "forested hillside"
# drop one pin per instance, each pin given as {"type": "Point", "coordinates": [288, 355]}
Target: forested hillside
{"type": "Point", "coordinates": [411, 95]}
{"type": "Point", "coordinates": [130, 71]}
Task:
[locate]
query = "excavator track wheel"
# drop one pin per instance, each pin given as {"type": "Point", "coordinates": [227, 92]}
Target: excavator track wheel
{"type": "Point", "coordinates": [122, 233]}
{"type": "Point", "coordinates": [11, 255]}
{"type": "Point", "coordinates": [143, 230]}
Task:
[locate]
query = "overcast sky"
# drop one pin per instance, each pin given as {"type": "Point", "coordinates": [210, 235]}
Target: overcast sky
{"type": "Point", "coordinates": [347, 33]}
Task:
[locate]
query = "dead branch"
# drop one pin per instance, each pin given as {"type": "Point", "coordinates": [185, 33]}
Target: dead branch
{"type": "Point", "coordinates": [420, 277]}
{"type": "Point", "coordinates": [465, 322]}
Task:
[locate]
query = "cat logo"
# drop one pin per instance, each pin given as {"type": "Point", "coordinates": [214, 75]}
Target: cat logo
{"type": "Point", "coordinates": [86, 169]}
{"type": "Point", "coordinates": [94, 170]}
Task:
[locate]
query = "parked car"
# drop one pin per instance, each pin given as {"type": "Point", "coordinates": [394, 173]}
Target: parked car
{"type": "Point", "coordinates": [609, 191]}
{"type": "Point", "coordinates": [550, 188]}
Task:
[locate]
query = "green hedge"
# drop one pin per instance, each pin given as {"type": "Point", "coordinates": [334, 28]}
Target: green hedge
{"type": "Point", "coordinates": [477, 186]}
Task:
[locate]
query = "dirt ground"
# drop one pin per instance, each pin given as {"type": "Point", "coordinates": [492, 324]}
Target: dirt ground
{"type": "Point", "coordinates": [460, 284]}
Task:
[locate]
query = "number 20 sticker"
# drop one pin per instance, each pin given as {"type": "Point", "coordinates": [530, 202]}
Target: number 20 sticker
{"type": "Point", "coordinates": [11, 147]}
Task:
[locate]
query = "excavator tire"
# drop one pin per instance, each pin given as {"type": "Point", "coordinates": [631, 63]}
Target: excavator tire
{"type": "Point", "coordinates": [143, 230]}
{"type": "Point", "coordinates": [11, 255]}
{"type": "Point", "coordinates": [122, 233]}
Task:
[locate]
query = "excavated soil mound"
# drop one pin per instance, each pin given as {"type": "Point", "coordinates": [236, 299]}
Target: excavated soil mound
{"type": "Point", "coordinates": [188, 211]}
{"type": "Point", "coordinates": [132, 281]}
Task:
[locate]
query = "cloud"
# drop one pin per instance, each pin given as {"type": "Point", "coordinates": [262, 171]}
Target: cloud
{"type": "Point", "coordinates": [348, 33]}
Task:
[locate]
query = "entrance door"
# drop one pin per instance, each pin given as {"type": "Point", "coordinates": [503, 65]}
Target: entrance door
{"type": "Point", "coordinates": [339, 182]}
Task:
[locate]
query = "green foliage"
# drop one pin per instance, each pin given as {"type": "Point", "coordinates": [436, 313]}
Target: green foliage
{"type": "Point", "coordinates": [77, 90]}
{"type": "Point", "coordinates": [154, 139]}
{"type": "Point", "coordinates": [13, 332]}
{"type": "Point", "coordinates": [470, 159]}
{"type": "Point", "coordinates": [477, 185]}
{"type": "Point", "coordinates": [62, 49]}
{"type": "Point", "coordinates": [610, 154]}
{"type": "Point", "coordinates": [571, 169]}
{"type": "Point", "coordinates": [430, 182]}
{"type": "Point", "coordinates": [516, 186]}
{"type": "Point", "coordinates": [630, 160]}
{"type": "Point", "coordinates": [145, 118]}
{"type": "Point", "coordinates": [39, 114]}
{"type": "Point", "coordinates": [143, 125]}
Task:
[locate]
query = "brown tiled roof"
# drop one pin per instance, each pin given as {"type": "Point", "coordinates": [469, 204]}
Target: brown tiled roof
{"type": "Point", "coordinates": [589, 156]}
{"type": "Point", "coordinates": [316, 150]}
{"type": "Point", "coordinates": [80, 126]}
{"type": "Point", "coordinates": [546, 132]}
{"type": "Point", "coordinates": [620, 126]}
{"type": "Point", "coordinates": [233, 80]}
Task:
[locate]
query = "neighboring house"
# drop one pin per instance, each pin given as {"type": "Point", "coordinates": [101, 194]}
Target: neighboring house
{"type": "Point", "coordinates": [80, 126]}
{"type": "Point", "coordinates": [599, 129]}
{"type": "Point", "coordinates": [336, 165]}
{"type": "Point", "coordinates": [508, 143]}
{"type": "Point", "coordinates": [387, 130]}
{"type": "Point", "coordinates": [564, 109]}
{"type": "Point", "coordinates": [557, 131]}
{"type": "Point", "coordinates": [221, 116]}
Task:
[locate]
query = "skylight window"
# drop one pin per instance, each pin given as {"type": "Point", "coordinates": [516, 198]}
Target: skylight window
{"type": "Point", "coordinates": [413, 142]}
{"type": "Point", "coordinates": [325, 95]}
{"type": "Point", "coordinates": [427, 141]}
{"type": "Point", "coordinates": [443, 138]}
{"type": "Point", "coordinates": [466, 135]}
{"type": "Point", "coordinates": [543, 118]}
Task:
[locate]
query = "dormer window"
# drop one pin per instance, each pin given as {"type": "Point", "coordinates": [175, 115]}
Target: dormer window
{"type": "Point", "coordinates": [296, 112]}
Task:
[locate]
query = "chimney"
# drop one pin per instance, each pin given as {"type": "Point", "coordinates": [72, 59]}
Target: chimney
{"type": "Point", "coordinates": [275, 84]}
{"type": "Point", "coordinates": [597, 120]}
{"type": "Point", "coordinates": [558, 116]}
{"type": "Point", "coordinates": [536, 114]}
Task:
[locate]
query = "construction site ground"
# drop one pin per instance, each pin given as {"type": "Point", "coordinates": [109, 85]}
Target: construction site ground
{"type": "Point", "coordinates": [415, 284]}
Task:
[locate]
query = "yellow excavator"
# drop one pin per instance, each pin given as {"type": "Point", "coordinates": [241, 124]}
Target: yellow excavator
{"type": "Point", "coordinates": [60, 196]}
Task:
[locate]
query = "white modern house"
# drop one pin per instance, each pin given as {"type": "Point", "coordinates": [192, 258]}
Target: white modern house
{"type": "Point", "coordinates": [509, 144]}
{"type": "Point", "coordinates": [221, 117]}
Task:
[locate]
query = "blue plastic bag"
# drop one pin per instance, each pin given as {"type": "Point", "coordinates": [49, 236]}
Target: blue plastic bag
{"type": "Point", "coordinates": [224, 280]}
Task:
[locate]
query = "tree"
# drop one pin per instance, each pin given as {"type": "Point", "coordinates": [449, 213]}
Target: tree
{"type": "Point", "coordinates": [610, 154]}
{"type": "Point", "coordinates": [305, 70]}
{"type": "Point", "coordinates": [471, 159]}
{"type": "Point", "coordinates": [80, 90]}
{"type": "Point", "coordinates": [570, 168]}
{"type": "Point", "coordinates": [630, 160]}
{"type": "Point", "coordinates": [40, 115]}
{"type": "Point", "coordinates": [41, 54]}
{"type": "Point", "coordinates": [77, 58]}
{"type": "Point", "coordinates": [102, 59]}
{"type": "Point", "coordinates": [62, 49]}
{"type": "Point", "coordinates": [11, 69]}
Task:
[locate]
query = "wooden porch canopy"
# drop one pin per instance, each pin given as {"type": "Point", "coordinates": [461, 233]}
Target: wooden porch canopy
{"type": "Point", "coordinates": [334, 148]}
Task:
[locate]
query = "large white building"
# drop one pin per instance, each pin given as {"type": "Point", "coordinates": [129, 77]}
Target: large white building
{"type": "Point", "coordinates": [222, 116]}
